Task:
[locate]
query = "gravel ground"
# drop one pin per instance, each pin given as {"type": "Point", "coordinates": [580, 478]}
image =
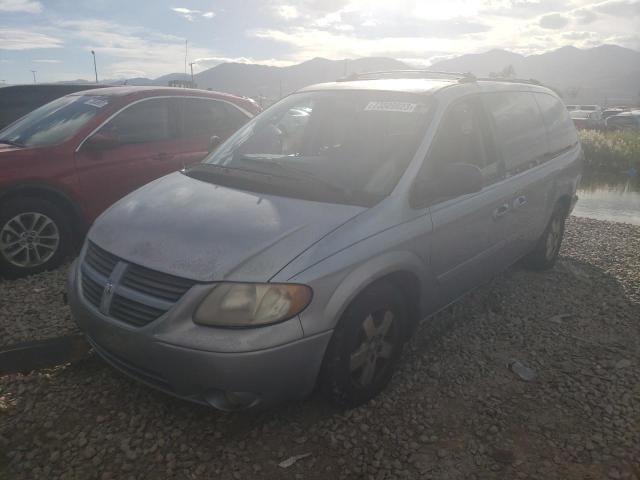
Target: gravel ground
{"type": "Point", "coordinates": [453, 410]}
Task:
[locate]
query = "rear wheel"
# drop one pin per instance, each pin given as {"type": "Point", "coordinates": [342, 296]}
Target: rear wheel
{"type": "Point", "coordinates": [35, 235]}
{"type": "Point", "coordinates": [365, 346]}
{"type": "Point", "coordinates": [546, 252]}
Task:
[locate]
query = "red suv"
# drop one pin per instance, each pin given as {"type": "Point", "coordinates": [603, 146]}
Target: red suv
{"type": "Point", "coordinates": [64, 163]}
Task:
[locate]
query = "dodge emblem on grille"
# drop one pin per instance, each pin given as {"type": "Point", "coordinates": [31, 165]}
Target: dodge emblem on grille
{"type": "Point", "coordinates": [108, 290]}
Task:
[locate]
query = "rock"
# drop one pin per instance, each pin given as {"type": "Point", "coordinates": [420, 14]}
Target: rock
{"type": "Point", "coordinates": [506, 457]}
{"type": "Point", "coordinates": [624, 363]}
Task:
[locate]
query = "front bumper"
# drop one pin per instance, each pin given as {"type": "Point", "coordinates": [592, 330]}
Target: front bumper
{"type": "Point", "coordinates": [228, 369]}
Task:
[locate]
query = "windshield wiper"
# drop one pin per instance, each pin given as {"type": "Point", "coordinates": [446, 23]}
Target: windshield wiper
{"type": "Point", "coordinates": [293, 172]}
{"type": "Point", "coordinates": [13, 144]}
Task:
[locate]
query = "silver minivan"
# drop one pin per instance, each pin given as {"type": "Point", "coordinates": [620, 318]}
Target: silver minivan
{"type": "Point", "coordinates": [304, 249]}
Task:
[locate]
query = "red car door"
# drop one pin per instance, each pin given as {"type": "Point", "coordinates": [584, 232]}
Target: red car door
{"type": "Point", "coordinates": [116, 159]}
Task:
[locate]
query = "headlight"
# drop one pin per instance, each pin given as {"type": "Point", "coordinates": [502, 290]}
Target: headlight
{"type": "Point", "coordinates": [251, 304]}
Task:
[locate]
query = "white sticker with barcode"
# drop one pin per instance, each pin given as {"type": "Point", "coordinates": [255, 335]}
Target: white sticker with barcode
{"type": "Point", "coordinates": [391, 107]}
{"type": "Point", "coordinates": [96, 102]}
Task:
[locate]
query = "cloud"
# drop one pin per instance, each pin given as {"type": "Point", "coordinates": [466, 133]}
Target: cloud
{"type": "Point", "coordinates": [522, 8]}
{"type": "Point", "coordinates": [125, 51]}
{"type": "Point", "coordinates": [584, 16]}
{"type": "Point", "coordinates": [191, 15]}
{"type": "Point", "coordinates": [25, 6]}
{"type": "Point", "coordinates": [286, 12]}
{"type": "Point", "coordinates": [46, 60]}
{"type": "Point", "coordinates": [16, 39]}
{"type": "Point", "coordinates": [619, 8]}
{"type": "Point", "coordinates": [554, 21]}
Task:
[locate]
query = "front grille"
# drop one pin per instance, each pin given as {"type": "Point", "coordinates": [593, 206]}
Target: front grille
{"type": "Point", "coordinates": [92, 291]}
{"type": "Point", "coordinates": [100, 260]}
{"type": "Point", "coordinates": [132, 312]}
{"type": "Point", "coordinates": [140, 295]}
{"type": "Point", "coordinates": [159, 285]}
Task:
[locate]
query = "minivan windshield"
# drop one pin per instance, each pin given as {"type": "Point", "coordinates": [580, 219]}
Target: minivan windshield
{"type": "Point", "coordinates": [54, 122]}
{"type": "Point", "coordinates": [348, 146]}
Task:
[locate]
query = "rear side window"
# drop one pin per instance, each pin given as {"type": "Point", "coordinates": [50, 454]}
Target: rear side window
{"type": "Point", "coordinates": [560, 130]}
{"type": "Point", "coordinates": [143, 122]}
{"type": "Point", "coordinates": [519, 129]}
{"type": "Point", "coordinates": [203, 117]}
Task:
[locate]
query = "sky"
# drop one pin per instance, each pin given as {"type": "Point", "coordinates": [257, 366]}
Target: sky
{"type": "Point", "coordinates": [146, 38]}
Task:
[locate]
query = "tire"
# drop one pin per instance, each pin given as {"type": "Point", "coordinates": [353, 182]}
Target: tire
{"type": "Point", "coordinates": [365, 347]}
{"type": "Point", "coordinates": [545, 253]}
{"type": "Point", "coordinates": [35, 235]}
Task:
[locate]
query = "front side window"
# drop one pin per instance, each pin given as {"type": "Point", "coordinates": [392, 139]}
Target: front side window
{"type": "Point", "coordinates": [54, 122]}
{"type": "Point", "coordinates": [203, 117]}
{"type": "Point", "coordinates": [341, 146]}
{"type": "Point", "coordinates": [143, 122]}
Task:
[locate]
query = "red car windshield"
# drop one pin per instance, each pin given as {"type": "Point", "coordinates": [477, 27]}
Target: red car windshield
{"type": "Point", "coordinates": [54, 122]}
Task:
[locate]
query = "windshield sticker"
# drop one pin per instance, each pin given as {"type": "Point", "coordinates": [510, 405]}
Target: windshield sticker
{"type": "Point", "coordinates": [97, 102]}
{"type": "Point", "coordinates": [391, 107]}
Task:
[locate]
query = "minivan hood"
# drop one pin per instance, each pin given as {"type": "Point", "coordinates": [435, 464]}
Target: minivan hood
{"type": "Point", "coordinates": [205, 232]}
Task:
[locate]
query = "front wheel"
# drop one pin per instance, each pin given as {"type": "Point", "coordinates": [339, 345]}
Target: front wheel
{"type": "Point", "coordinates": [546, 252]}
{"type": "Point", "coordinates": [34, 236]}
{"type": "Point", "coordinates": [365, 346]}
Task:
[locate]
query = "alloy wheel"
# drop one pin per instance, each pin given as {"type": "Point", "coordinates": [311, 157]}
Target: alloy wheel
{"type": "Point", "coordinates": [370, 359]}
{"type": "Point", "coordinates": [29, 239]}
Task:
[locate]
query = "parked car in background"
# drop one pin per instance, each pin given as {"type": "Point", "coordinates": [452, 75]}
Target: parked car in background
{"type": "Point", "coordinates": [18, 100]}
{"type": "Point", "coordinates": [609, 112]}
{"type": "Point", "coordinates": [308, 253]}
{"type": "Point", "coordinates": [590, 108]}
{"type": "Point", "coordinates": [626, 121]}
{"type": "Point", "coordinates": [587, 119]}
{"type": "Point", "coordinates": [67, 161]}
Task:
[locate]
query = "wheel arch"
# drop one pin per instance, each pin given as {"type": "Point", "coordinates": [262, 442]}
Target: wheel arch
{"type": "Point", "coordinates": [54, 195]}
{"type": "Point", "coordinates": [405, 270]}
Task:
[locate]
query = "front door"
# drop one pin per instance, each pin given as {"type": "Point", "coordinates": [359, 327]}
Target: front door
{"type": "Point", "coordinates": [138, 136]}
{"type": "Point", "coordinates": [465, 247]}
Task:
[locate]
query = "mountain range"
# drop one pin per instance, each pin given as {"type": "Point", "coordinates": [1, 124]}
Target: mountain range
{"type": "Point", "coordinates": [606, 75]}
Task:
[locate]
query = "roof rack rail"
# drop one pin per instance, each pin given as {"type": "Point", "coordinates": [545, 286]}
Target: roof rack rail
{"type": "Point", "coordinates": [461, 77]}
{"type": "Point", "coordinates": [531, 81]}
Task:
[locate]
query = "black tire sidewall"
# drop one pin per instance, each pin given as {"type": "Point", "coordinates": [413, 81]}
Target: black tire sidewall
{"type": "Point", "coordinates": [336, 379]}
{"type": "Point", "coordinates": [13, 207]}
{"type": "Point", "coordinates": [537, 259]}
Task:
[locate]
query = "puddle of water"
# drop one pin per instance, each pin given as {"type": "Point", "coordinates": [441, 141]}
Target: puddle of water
{"type": "Point", "coordinates": [609, 197]}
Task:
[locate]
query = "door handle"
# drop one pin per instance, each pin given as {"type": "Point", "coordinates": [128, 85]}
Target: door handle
{"type": "Point", "coordinates": [521, 201]}
{"type": "Point", "coordinates": [500, 211]}
{"type": "Point", "coordinates": [160, 156]}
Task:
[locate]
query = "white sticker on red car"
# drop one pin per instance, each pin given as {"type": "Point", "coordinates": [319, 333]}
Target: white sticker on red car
{"type": "Point", "coordinates": [97, 102]}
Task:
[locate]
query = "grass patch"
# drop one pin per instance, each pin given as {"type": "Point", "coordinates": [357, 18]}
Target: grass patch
{"type": "Point", "coordinates": [611, 151]}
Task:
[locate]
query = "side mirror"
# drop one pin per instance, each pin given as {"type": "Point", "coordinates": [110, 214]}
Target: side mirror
{"type": "Point", "coordinates": [101, 141]}
{"type": "Point", "coordinates": [453, 180]}
{"type": "Point", "coordinates": [214, 142]}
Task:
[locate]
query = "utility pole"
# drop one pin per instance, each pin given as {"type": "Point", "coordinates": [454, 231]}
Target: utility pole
{"type": "Point", "coordinates": [191, 64]}
{"type": "Point", "coordinates": [186, 50]}
{"type": "Point", "coordinates": [95, 68]}
{"type": "Point", "coordinates": [34, 75]}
